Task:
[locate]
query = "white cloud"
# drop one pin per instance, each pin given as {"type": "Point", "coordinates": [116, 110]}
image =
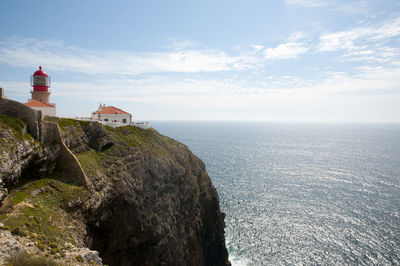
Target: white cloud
{"type": "Point", "coordinates": [339, 96]}
{"type": "Point", "coordinates": [162, 87]}
{"type": "Point", "coordinates": [360, 37]}
{"type": "Point", "coordinates": [56, 56]}
{"type": "Point", "coordinates": [286, 51]}
{"type": "Point", "coordinates": [374, 44]}
{"type": "Point", "coordinates": [257, 47]}
{"type": "Point", "coordinates": [294, 45]}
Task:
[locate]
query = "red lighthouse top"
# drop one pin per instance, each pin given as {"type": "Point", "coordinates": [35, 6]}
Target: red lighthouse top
{"type": "Point", "coordinates": [40, 72]}
{"type": "Point", "coordinates": [40, 81]}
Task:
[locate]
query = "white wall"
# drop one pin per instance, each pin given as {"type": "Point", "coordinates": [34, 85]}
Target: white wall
{"type": "Point", "coordinates": [113, 117]}
{"type": "Point", "coordinates": [50, 111]}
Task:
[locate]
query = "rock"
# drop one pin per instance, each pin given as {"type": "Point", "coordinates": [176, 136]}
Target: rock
{"type": "Point", "coordinates": [3, 193]}
{"type": "Point", "coordinates": [8, 246]}
{"type": "Point", "coordinates": [99, 139]}
{"type": "Point", "coordinates": [22, 159]}
{"type": "Point", "coordinates": [150, 201]}
{"type": "Point", "coordinates": [161, 210]}
{"type": "Point", "coordinates": [83, 255]}
{"type": "Point", "coordinates": [35, 192]}
{"type": "Point", "coordinates": [80, 137]}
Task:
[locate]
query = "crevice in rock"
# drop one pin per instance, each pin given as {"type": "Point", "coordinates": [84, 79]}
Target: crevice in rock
{"type": "Point", "coordinates": [107, 146]}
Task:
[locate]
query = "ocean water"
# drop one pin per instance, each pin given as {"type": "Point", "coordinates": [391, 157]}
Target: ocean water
{"type": "Point", "coordinates": [302, 193]}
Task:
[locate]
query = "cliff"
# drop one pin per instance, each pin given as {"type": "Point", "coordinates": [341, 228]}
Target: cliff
{"type": "Point", "coordinates": [145, 200]}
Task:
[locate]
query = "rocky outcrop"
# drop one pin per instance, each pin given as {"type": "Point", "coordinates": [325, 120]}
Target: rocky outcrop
{"type": "Point", "coordinates": [8, 245]}
{"type": "Point", "coordinates": [22, 156]}
{"type": "Point", "coordinates": [161, 210]}
{"type": "Point", "coordinates": [98, 137]}
{"type": "Point", "coordinates": [150, 200]}
{"type": "Point", "coordinates": [81, 136]}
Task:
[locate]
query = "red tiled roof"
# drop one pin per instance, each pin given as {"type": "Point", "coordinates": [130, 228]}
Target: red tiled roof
{"type": "Point", "coordinates": [108, 110]}
{"type": "Point", "coordinates": [36, 103]}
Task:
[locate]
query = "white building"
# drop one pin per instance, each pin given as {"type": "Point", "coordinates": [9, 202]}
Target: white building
{"type": "Point", "coordinates": [111, 114]}
{"type": "Point", "coordinates": [46, 108]}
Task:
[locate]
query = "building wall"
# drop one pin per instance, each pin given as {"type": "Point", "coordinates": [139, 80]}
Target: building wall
{"type": "Point", "coordinates": [119, 118]}
{"type": "Point", "coordinates": [50, 111]}
{"type": "Point", "coordinates": [43, 96]}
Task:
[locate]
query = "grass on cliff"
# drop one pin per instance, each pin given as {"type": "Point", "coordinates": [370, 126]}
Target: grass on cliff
{"type": "Point", "coordinates": [65, 122]}
{"type": "Point", "coordinates": [91, 161]}
{"type": "Point", "coordinates": [42, 211]}
{"type": "Point", "coordinates": [148, 140]}
{"type": "Point", "coordinates": [26, 259]}
{"type": "Point", "coordinates": [12, 122]}
{"type": "Point", "coordinates": [16, 125]}
{"type": "Point", "coordinates": [125, 137]}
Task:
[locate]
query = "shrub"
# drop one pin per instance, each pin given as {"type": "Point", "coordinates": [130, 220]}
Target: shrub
{"type": "Point", "coordinates": [79, 258]}
{"type": "Point", "coordinates": [41, 246]}
{"type": "Point", "coordinates": [15, 123]}
{"type": "Point", "coordinates": [26, 259]}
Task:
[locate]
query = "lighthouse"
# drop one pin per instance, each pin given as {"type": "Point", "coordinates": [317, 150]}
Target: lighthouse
{"type": "Point", "coordinates": [40, 82]}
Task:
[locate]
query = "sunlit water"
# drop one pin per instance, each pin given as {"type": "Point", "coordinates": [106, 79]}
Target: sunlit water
{"type": "Point", "coordinates": [302, 193]}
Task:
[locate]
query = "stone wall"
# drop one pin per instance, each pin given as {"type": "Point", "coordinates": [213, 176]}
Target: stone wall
{"type": "Point", "coordinates": [32, 118]}
{"type": "Point", "coordinates": [66, 161]}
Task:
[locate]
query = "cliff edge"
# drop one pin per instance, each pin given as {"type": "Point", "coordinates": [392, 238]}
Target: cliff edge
{"type": "Point", "coordinates": [146, 200]}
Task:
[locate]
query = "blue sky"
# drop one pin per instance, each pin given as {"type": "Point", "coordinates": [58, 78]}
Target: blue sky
{"type": "Point", "coordinates": [289, 60]}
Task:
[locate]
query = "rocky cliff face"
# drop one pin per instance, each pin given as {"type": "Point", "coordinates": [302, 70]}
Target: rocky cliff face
{"type": "Point", "coordinates": [21, 155]}
{"type": "Point", "coordinates": [151, 202]}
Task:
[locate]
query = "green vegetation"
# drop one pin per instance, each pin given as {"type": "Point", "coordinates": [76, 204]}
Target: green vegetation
{"type": "Point", "coordinates": [125, 138]}
{"type": "Point", "coordinates": [42, 246]}
{"type": "Point", "coordinates": [26, 259]}
{"type": "Point", "coordinates": [12, 122]}
{"type": "Point", "coordinates": [43, 212]}
{"type": "Point", "coordinates": [17, 126]}
{"type": "Point", "coordinates": [65, 122]}
{"type": "Point", "coordinates": [149, 140]}
{"type": "Point", "coordinates": [19, 196]}
{"type": "Point", "coordinates": [46, 210]}
{"type": "Point", "coordinates": [90, 161]}
{"type": "Point", "coordinates": [53, 245]}
{"type": "Point", "coordinates": [79, 258]}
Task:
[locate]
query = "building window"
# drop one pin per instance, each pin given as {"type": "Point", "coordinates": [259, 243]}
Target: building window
{"type": "Point", "coordinates": [124, 121]}
{"type": "Point", "coordinates": [105, 119]}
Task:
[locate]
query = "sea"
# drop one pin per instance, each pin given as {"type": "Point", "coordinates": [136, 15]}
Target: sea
{"type": "Point", "coordinates": [302, 193]}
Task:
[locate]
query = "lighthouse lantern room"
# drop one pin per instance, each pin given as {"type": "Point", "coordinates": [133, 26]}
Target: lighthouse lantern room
{"type": "Point", "coordinates": [40, 82]}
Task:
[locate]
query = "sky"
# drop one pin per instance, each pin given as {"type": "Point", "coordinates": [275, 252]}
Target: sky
{"type": "Point", "coordinates": [288, 60]}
